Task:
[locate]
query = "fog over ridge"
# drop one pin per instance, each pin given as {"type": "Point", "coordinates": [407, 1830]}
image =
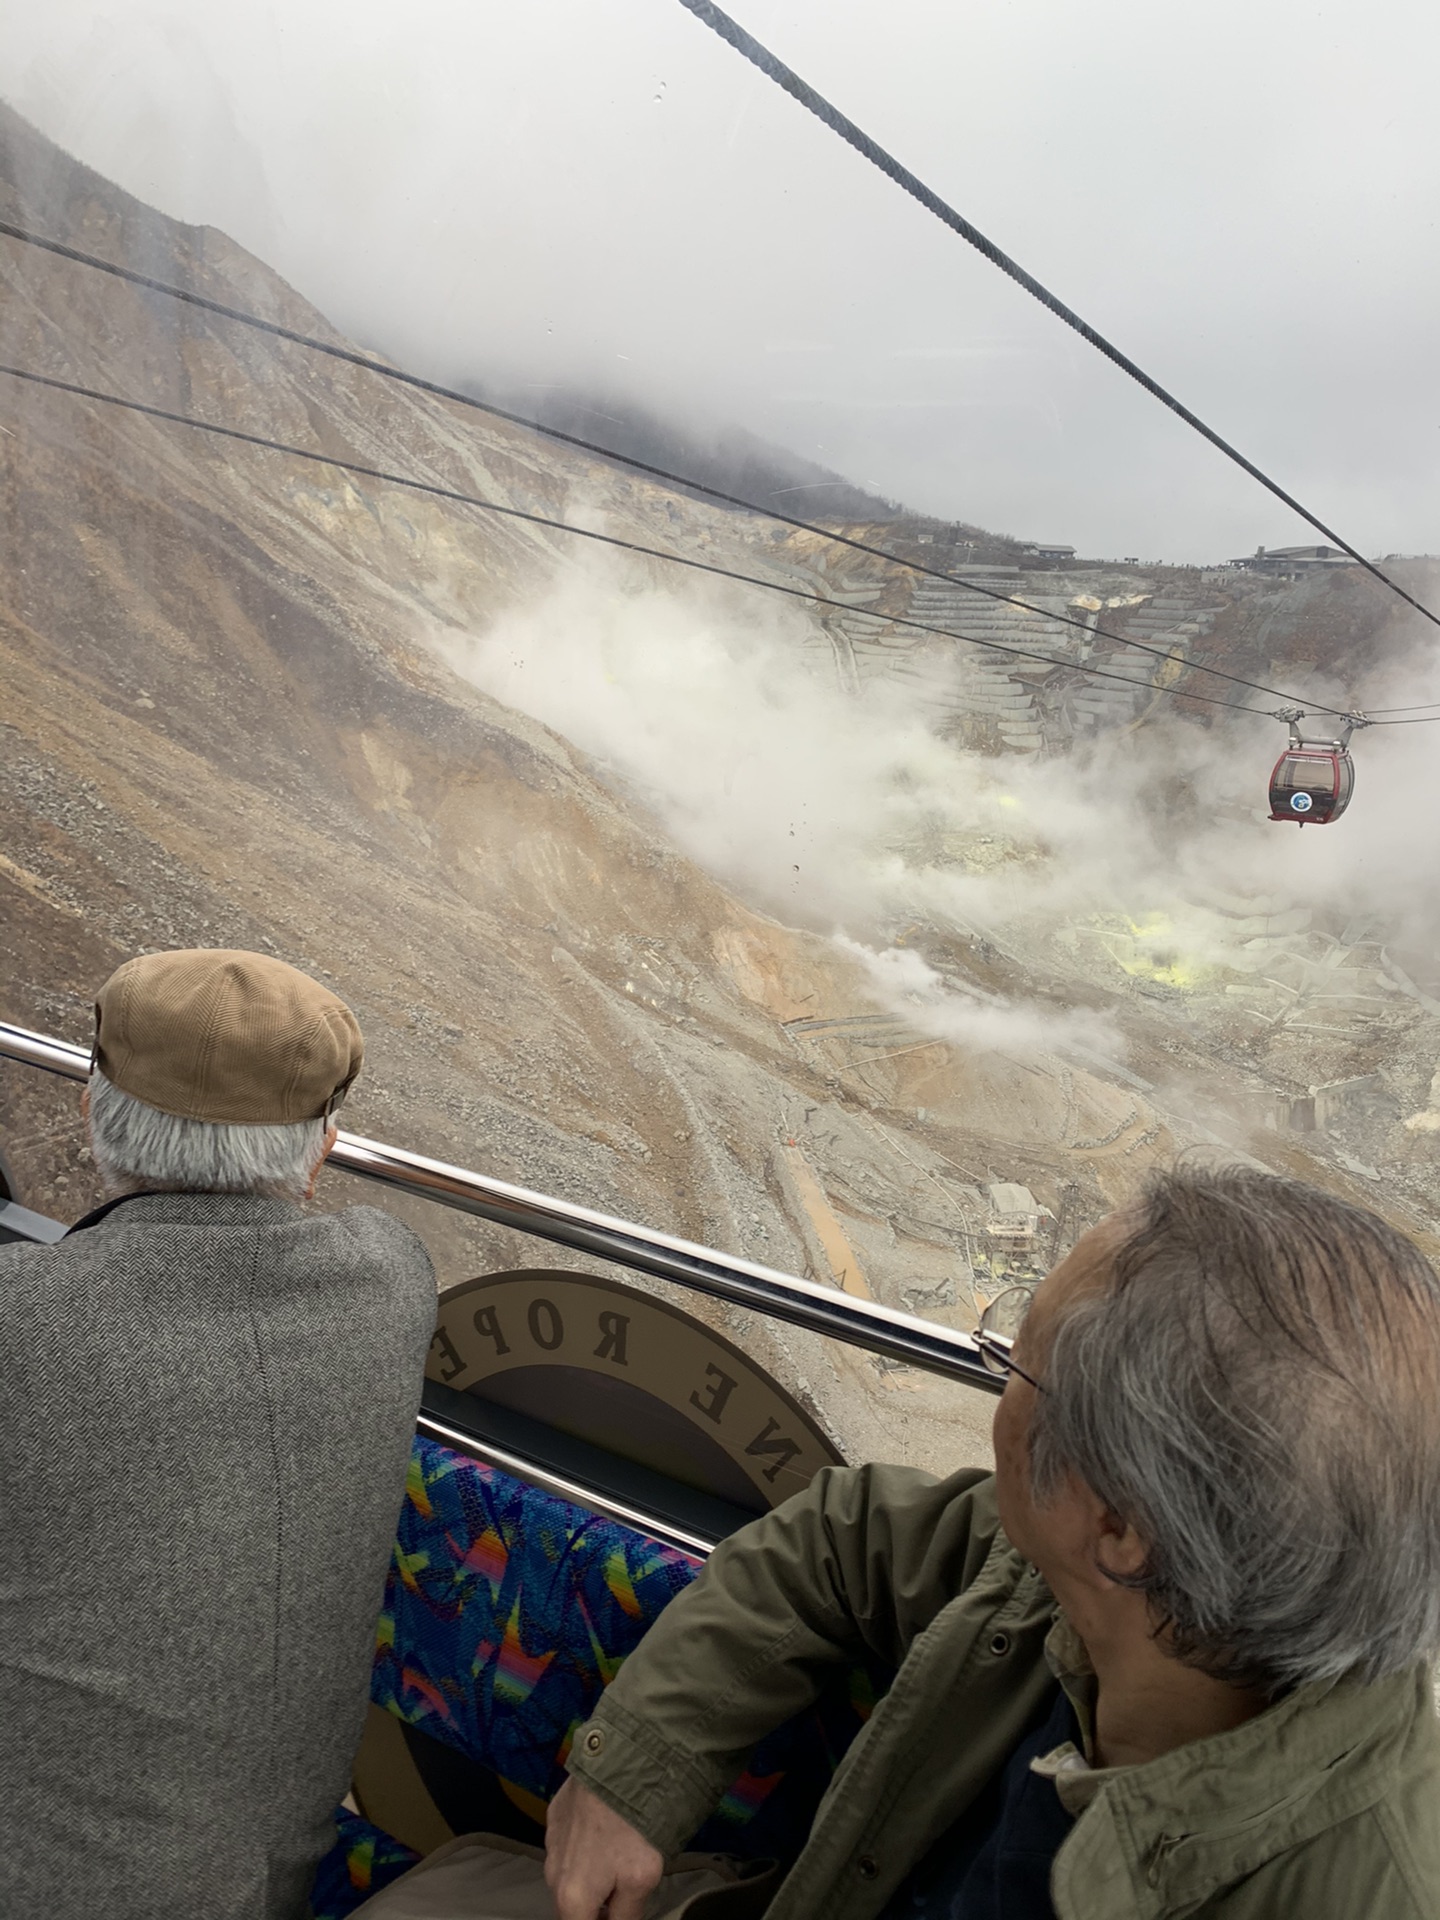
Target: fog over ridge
{"type": "Point", "coordinates": [608, 199]}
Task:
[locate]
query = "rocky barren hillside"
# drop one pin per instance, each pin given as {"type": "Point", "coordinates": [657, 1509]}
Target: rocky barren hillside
{"type": "Point", "coordinates": [222, 723]}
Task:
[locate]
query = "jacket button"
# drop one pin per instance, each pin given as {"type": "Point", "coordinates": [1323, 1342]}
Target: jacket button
{"type": "Point", "coordinates": [999, 1643]}
{"type": "Point", "coordinates": [867, 1866]}
{"type": "Point", "coordinates": [594, 1741]}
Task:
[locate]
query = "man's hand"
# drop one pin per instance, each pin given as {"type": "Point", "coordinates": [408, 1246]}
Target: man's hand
{"type": "Point", "coordinates": [592, 1857]}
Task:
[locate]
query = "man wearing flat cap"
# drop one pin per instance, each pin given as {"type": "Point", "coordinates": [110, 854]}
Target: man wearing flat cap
{"type": "Point", "coordinates": [207, 1398]}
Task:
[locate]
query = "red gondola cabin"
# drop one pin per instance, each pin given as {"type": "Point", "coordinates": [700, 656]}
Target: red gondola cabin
{"type": "Point", "coordinates": [1312, 783]}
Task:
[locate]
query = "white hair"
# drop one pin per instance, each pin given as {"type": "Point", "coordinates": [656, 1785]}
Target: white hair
{"type": "Point", "coordinates": [139, 1148]}
{"type": "Point", "coordinates": [1256, 1393]}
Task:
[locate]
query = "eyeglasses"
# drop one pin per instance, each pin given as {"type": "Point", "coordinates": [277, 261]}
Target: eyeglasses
{"type": "Point", "coordinates": [999, 1325]}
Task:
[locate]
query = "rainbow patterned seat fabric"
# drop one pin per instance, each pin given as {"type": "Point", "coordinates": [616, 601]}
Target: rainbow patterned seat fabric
{"type": "Point", "coordinates": [507, 1611]}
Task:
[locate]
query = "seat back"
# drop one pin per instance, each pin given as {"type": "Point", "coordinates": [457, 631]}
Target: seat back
{"type": "Point", "coordinates": [508, 1611]}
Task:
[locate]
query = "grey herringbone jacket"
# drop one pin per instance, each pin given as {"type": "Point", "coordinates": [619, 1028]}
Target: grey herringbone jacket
{"type": "Point", "coordinates": [206, 1408]}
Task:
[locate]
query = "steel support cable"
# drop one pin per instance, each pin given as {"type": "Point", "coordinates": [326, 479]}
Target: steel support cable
{"type": "Point", "coordinates": [433, 387]}
{"type": "Point", "coordinates": [587, 533]}
{"type": "Point", "coordinates": [790, 81]}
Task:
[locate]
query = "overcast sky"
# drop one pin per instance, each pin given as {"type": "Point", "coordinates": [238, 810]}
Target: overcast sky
{"type": "Point", "coordinates": [1241, 193]}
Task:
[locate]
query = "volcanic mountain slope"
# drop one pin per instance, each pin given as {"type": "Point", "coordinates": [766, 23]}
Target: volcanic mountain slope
{"type": "Point", "coordinates": [223, 724]}
{"type": "Point", "coordinates": [220, 727]}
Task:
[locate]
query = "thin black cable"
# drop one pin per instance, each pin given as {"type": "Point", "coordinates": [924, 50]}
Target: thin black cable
{"type": "Point", "coordinates": [606, 539]}
{"type": "Point", "coordinates": [784, 77]}
{"type": "Point", "coordinates": [421, 385]}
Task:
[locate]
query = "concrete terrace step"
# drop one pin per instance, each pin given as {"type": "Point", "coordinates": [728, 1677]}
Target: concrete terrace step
{"type": "Point", "coordinates": [930, 591]}
{"type": "Point", "coordinates": [1103, 700]}
{"type": "Point", "coordinates": [1139, 630]}
{"type": "Point", "coordinates": [982, 603]}
{"type": "Point", "coordinates": [1037, 638]}
{"type": "Point", "coordinates": [986, 633]}
{"type": "Point", "coordinates": [988, 602]}
{"type": "Point", "coordinates": [1130, 666]}
{"type": "Point", "coordinates": [971, 703]}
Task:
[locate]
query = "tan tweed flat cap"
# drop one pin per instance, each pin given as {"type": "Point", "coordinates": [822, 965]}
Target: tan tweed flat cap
{"type": "Point", "coordinates": [212, 1034]}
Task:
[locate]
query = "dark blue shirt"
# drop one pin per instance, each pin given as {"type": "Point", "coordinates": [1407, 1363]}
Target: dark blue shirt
{"type": "Point", "coordinates": [994, 1862]}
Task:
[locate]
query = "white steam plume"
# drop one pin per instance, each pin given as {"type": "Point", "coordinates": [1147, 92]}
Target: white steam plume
{"type": "Point", "coordinates": [979, 1022]}
{"type": "Point", "coordinates": [851, 814]}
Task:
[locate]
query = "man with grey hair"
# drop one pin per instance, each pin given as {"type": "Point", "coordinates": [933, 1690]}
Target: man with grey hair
{"type": "Point", "coordinates": [1173, 1658]}
{"type": "Point", "coordinates": [207, 1399]}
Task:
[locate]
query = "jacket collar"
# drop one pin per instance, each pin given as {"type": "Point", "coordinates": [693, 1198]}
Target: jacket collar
{"type": "Point", "coordinates": [1159, 1839]}
{"type": "Point", "coordinates": [192, 1210]}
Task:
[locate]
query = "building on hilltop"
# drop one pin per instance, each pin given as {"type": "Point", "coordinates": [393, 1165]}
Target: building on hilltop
{"type": "Point", "coordinates": [1287, 563]}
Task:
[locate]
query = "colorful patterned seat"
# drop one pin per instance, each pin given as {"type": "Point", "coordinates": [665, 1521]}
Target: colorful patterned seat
{"type": "Point", "coordinates": [362, 1861]}
{"type": "Point", "coordinates": [506, 1613]}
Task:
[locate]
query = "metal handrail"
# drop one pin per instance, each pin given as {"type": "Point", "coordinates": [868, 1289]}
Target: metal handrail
{"type": "Point", "coordinates": [576, 1492]}
{"type": "Point", "coordinates": [782, 1296]}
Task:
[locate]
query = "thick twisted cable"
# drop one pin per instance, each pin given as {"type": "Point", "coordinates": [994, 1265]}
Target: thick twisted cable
{"type": "Point", "coordinates": [783, 76]}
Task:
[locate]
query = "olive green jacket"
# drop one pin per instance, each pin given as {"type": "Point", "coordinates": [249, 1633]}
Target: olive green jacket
{"type": "Point", "coordinates": [1326, 1805]}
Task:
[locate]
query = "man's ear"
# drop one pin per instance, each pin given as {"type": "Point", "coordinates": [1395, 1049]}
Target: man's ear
{"type": "Point", "coordinates": [332, 1134]}
{"type": "Point", "coordinates": [1120, 1553]}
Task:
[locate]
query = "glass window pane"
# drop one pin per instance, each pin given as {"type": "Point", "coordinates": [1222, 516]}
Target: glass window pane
{"type": "Point", "coordinates": [1307, 771]}
{"type": "Point", "coordinates": [869, 1408]}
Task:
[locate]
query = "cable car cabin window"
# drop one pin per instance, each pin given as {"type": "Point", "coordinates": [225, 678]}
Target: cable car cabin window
{"type": "Point", "coordinates": [1313, 772]}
